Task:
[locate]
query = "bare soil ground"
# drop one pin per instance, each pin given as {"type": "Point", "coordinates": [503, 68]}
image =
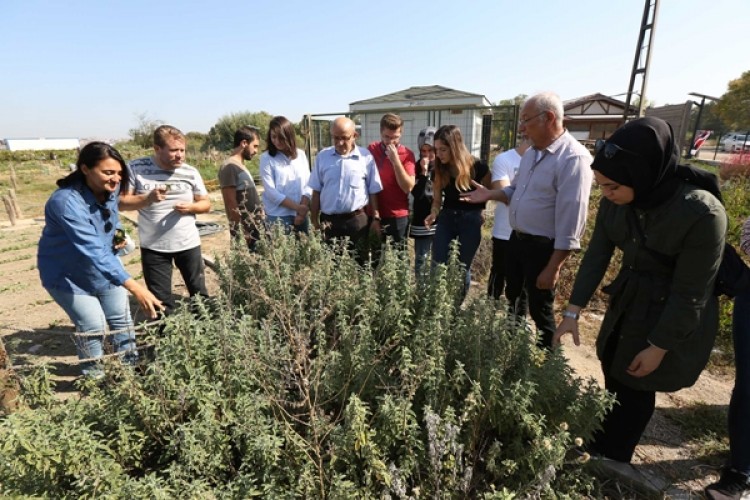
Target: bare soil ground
{"type": "Point", "coordinates": [26, 311]}
{"type": "Point", "coordinates": [32, 326]}
{"type": "Point", "coordinates": [665, 451]}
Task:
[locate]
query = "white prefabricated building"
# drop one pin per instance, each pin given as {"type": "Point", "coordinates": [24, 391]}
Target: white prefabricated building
{"type": "Point", "coordinates": [420, 107]}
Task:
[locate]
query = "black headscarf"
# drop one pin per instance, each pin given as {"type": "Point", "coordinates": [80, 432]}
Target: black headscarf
{"type": "Point", "coordinates": [647, 161]}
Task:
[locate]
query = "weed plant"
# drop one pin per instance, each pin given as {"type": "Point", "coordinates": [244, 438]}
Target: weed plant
{"type": "Point", "coordinates": [309, 377]}
{"type": "Point", "coordinates": [736, 194]}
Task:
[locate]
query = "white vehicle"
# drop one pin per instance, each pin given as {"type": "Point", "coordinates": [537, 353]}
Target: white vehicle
{"type": "Point", "coordinates": [734, 142]}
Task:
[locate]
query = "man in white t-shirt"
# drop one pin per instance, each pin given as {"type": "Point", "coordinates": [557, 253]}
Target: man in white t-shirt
{"type": "Point", "coordinates": [167, 194]}
{"type": "Point", "coordinates": [504, 169]}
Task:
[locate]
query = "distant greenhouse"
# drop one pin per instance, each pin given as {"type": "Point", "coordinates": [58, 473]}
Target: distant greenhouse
{"type": "Point", "coordinates": [42, 144]}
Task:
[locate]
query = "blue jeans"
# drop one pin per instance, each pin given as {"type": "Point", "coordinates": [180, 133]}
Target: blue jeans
{"type": "Point", "coordinates": [108, 310]}
{"type": "Point", "coordinates": [422, 247]}
{"type": "Point", "coordinates": [288, 222]}
{"type": "Point", "coordinates": [466, 227]}
{"type": "Point", "coordinates": [739, 405]}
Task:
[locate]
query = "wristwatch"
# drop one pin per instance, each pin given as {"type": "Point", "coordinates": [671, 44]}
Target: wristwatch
{"type": "Point", "coordinates": [571, 315]}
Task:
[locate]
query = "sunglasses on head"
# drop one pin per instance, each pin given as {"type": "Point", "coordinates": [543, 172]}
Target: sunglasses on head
{"type": "Point", "coordinates": [105, 215]}
{"type": "Point", "coordinates": [610, 149]}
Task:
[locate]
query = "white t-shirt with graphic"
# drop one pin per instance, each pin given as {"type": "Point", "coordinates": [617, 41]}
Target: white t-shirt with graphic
{"type": "Point", "coordinates": [505, 167]}
{"type": "Point", "coordinates": [160, 227]}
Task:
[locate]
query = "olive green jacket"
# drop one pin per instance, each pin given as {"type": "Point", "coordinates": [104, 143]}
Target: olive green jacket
{"type": "Point", "coordinates": [663, 296]}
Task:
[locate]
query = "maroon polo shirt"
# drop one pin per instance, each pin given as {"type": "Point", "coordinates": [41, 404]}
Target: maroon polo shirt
{"type": "Point", "coordinates": [392, 201]}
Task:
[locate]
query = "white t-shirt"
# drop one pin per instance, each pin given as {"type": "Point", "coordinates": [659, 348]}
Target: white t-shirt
{"type": "Point", "coordinates": [504, 167]}
{"type": "Point", "coordinates": [160, 227]}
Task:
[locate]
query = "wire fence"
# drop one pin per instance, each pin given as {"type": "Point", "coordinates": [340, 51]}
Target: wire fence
{"type": "Point", "coordinates": [137, 330]}
{"type": "Point", "coordinates": [94, 333]}
{"type": "Point", "coordinates": [486, 130]}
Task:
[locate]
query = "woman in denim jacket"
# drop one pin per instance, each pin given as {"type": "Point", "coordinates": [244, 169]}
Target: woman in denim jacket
{"type": "Point", "coordinates": [77, 256]}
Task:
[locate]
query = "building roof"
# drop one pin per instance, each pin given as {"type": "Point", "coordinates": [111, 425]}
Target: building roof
{"type": "Point", "coordinates": [430, 96]}
{"type": "Point", "coordinates": [430, 92]}
{"type": "Point", "coordinates": [595, 104]}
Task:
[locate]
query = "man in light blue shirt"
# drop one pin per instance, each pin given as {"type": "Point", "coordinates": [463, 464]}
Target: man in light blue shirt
{"type": "Point", "coordinates": [344, 181]}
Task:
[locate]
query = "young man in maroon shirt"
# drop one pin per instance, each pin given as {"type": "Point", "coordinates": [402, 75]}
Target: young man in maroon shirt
{"type": "Point", "coordinates": [396, 166]}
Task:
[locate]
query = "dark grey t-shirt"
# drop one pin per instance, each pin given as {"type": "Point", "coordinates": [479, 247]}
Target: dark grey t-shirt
{"type": "Point", "coordinates": [248, 200]}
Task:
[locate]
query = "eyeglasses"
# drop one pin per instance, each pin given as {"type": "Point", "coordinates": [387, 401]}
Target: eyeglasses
{"type": "Point", "coordinates": [527, 120]}
{"type": "Point", "coordinates": [610, 149]}
{"type": "Point", "coordinates": [105, 215]}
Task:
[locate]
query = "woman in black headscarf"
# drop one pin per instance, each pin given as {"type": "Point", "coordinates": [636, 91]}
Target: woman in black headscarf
{"type": "Point", "coordinates": [662, 317]}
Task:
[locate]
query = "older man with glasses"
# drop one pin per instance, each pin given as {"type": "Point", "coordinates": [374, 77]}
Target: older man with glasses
{"type": "Point", "coordinates": [345, 183]}
{"type": "Point", "coordinates": [548, 203]}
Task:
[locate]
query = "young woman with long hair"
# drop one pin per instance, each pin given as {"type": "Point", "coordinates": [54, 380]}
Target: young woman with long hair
{"type": "Point", "coordinates": [285, 171]}
{"type": "Point", "coordinates": [455, 168]}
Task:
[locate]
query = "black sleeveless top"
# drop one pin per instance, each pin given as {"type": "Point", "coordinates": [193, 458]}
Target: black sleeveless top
{"type": "Point", "coordinates": [452, 199]}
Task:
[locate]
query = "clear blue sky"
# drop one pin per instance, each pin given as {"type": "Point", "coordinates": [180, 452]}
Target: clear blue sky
{"type": "Point", "coordinates": [88, 68]}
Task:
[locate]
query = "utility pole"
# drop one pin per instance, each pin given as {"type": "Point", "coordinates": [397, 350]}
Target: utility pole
{"type": "Point", "coordinates": [642, 57]}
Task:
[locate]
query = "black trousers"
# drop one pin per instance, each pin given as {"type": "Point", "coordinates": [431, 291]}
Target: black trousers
{"type": "Point", "coordinates": [623, 426]}
{"type": "Point", "coordinates": [496, 281]}
{"type": "Point", "coordinates": [526, 257]}
{"type": "Point", "coordinates": [157, 272]}
{"type": "Point", "coordinates": [395, 229]}
{"type": "Point", "coordinates": [353, 227]}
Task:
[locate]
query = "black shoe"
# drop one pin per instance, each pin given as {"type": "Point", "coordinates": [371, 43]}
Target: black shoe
{"type": "Point", "coordinates": [647, 484]}
{"type": "Point", "coordinates": [733, 485]}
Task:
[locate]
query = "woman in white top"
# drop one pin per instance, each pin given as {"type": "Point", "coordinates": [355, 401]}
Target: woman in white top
{"type": "Point", "coordinates": [284, 171]}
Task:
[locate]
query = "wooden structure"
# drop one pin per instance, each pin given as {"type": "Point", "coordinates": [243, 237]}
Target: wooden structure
{"type": "Point", "coordinates": [594, 116]}
{"type": "Point", "coordinates": [678, 116]}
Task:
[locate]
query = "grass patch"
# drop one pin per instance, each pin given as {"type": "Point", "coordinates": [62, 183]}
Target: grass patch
{"type": "Point", "coordinates": [704, 427]}
{"type": "Point", "coordinates": [20, 246]}
{"type": "Point", "coordinates": [17, 258]}
{"type": "Point", "coordinates": [701, 420]}
{"type": "Point", "coordinates": [136, 259]}
{"type": "Point", "coordinates": [13, 287]}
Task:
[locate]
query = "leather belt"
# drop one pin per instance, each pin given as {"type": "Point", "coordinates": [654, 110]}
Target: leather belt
{"type": "Point", "coordinates": [347, 215]}
{"type": "Point", "coordinates": [532, 237]}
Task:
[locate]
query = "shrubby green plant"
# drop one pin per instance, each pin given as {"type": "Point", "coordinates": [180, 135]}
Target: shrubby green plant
{"type": "Point", "coordinates": [221, 135]}
{"type": "Point", "coordinates": [143, 133]}
{"type": "Point", "coordinates": [310, 377]}
{"type": "Point", "coordinates": [736, 194]}
{"type": "Point", "coordinates": [64, 156]}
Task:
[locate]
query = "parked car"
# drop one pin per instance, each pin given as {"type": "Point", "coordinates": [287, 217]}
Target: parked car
{"type": "Point", "coordinates": [734, 142]}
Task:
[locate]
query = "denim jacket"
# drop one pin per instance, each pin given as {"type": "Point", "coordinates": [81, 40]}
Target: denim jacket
{"type": "Point", "coordinates": [75, 251]}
